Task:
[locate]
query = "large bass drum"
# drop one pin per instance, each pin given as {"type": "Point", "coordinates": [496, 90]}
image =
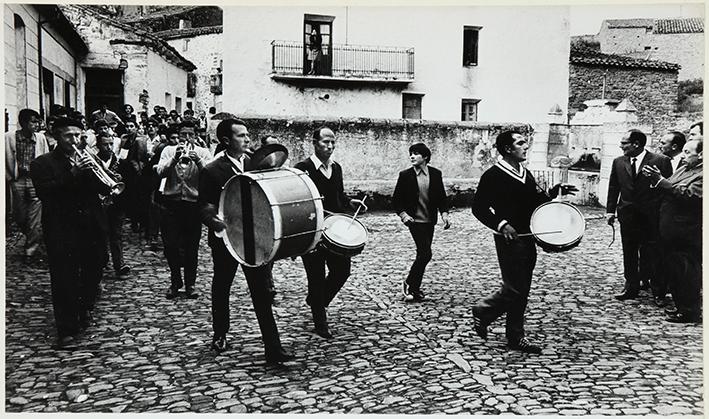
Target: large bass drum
{"type": "Point", "coordinates": [270, 214]}
{"type": "Point", "coordinates": [564, 220]}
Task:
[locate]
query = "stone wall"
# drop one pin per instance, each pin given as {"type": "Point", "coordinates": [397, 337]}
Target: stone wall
{"type": "Point", "coordinates": [372, 152]}
{"type": "Point", "coordinates": [653, 92]}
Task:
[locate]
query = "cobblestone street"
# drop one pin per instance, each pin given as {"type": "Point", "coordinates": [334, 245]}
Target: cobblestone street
{"type": "Point", "coordinates": [145, 353]}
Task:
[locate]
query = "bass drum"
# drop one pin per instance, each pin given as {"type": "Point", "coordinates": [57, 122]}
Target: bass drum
{"type": "Point", "coordinates": [270, 214]}
{"type": "Point", "coordinates": [557, 216]}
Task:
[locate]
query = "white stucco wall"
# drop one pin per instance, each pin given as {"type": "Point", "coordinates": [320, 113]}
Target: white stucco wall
{"type": "Point", "coordinates": [163, 77]}
{"type": "Point", "coordinates": [29, 16]}
{"type": "Point", "coordinates": [205, 51]}
{"type": "Point", "coordinates": [522, 71]}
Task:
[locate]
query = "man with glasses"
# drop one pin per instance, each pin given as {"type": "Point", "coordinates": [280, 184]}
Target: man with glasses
{"type": "Point", "coordinates": [637, 207]}
{"type": "Point", "coordinates": [181, 226]}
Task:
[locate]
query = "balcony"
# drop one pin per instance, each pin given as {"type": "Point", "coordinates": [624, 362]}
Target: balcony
{"type": "Point", "coordinates": [342, 64]}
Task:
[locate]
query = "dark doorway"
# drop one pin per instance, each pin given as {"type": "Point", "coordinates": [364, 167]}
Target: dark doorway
{"type": "Point", "coordinates": [103, 86]}
{"type": "Point", "coordinates": [323, 25]}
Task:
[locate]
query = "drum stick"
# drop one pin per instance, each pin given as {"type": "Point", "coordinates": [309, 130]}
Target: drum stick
{"type": "Point", "coordinates": [357, 212]}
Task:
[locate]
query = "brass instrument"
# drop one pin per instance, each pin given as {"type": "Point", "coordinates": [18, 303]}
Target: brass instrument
{"type": "Point", "coordinates": [105, 176]}
{"type": "Point", "coordinates": [184, 158]}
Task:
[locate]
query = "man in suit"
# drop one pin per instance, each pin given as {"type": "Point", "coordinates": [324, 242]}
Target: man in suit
{"type": "Point", "coordinates": [681, 231]}
{"type": "Point", "coordinates": [73, 224]}
{"type": "Point", "coordinates": [133, 156]}
{"type": "Point", "coordinates": [418, 197]}
{"type": "Point", "coordinates": [180, 227]}
{"type": "Point", "coordinates": [21, 147]}
{"type": "Point", "coordinates": [504, 201]}
{"type": "Point", "coordinates": [637, 206]}
{"type": "Point", "coordinates": [671, 145]}
{"type": "Point", "coordinates": [235, 137]}
{"type": "Point", "coordinates": [326, 174]}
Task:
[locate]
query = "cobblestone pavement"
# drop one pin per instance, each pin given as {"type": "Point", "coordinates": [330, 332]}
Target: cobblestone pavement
{"type": "Point", "coordinates": [148, 354]}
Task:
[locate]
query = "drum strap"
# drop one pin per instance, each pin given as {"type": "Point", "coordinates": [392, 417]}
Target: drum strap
{"type": "Point", "coordinates": [247, 214]}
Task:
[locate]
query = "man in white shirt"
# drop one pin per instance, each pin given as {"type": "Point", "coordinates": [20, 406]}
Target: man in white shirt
{"type": "Point", "coordinates": [671, 146]}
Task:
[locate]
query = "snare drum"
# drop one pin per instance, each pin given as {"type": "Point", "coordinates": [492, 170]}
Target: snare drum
{"type": "Point", "coordinates": [270, 214]}
{"type": "Point", "coordinates": [344, 235]}
{"type": "Point", "coordinates": [557, 216]}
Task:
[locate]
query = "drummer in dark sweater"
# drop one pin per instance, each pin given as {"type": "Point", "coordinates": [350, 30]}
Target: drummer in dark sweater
{"type": "Point", "coordinates": [327, 176]}
{"type": "Point", "coordinates": [504, 201]}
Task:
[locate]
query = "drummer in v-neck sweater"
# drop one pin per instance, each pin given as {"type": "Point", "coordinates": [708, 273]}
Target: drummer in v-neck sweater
{"type": "Point", "coordinates": [505, 199]}
{"type": "Point", "coordinates": [327, 176]}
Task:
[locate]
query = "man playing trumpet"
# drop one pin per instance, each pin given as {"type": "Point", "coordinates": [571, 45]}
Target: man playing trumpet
{"type": "Point", "coordinates": [72, 224]}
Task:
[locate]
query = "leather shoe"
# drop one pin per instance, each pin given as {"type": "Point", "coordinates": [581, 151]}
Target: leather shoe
{"type": "Point", "coordinates": [66, 343]}
{"type": "Point", "coordinates": [418, 295]}
{"type": "Point", "coordinates": [684, 318]}
{"type": "Point", "coordinates": [278, 357]}
{"type": "Point", "coordinates": [171, 293]}
{"type": "Point", "coordinates": [479, 326]}
{"type": "Point", "coordinates": [671, 311]}
{"type": "Point", "coordinates": [323, 331]}
{"type": "Point", "coordinates": [191, 293]}
{"type": "Point", "coordinates": [85, 319]}
{"type": "Point", "coordinates": [659, 301]}
{"type": "Point", "coordinates": [219, 343]}
{"type": "Point", "coordinates": [627, 295]}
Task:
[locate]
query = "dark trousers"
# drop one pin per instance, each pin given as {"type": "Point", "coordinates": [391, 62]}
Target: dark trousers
{"type": "Point", "coordinates": [639, 237]}
{"type": "Point", "coordinates": [225, 267]}
{"type": "Point", "coordinates": [517, 260]}
{"type": "Point", "coordinates": [181, 230]}
{"type": "Point", "coordinates": [147, 213]}
{"type": "Point", "coordinates": [75, 268]}
{"type": "Point", "coordinates": [682, 266]}
{"type": "Point", "coordinates": [115, 217]}
{"type": "Point", "coordinates": [323, 288]}
{"type": "Point", "coordinates": [423, 237]}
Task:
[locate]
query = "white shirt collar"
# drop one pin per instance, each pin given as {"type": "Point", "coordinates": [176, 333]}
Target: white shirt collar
{"type": "Point", "coordinates": [318, 163]}
{"type": "Point", "coordinates": [422, 168]}
{"type": "Point", "coordinates": [639, 158]}
{"type": "Point", "coordinates": [239, 163]}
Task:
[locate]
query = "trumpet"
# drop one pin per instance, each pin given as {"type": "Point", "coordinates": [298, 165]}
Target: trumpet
{"type": "Point", "coordinates": [104, 176]}
{"type": "Point", "coordinates": [182, 150]}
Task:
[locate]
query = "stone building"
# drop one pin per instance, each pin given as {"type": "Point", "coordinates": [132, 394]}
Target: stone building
{"type": "Point", "coordinates": [444, 63]}
{"type": "Point", "coordinates": [127, 65]}
{"type": "Point", "coordinates": [678, 40]}
{"type": "Point", "coordinates": [42, 54]}
{"type": "Point", "coordinates": [196, 32]}
{"type": "Point", "coordinates": [649, 84]}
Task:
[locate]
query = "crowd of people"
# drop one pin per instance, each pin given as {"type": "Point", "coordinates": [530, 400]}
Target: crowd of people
{"type": "Point", "coordinates": [85, 177]}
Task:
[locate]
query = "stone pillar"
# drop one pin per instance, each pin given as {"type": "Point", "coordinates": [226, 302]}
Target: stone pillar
{"type": "Point", "coordinates": [537, 154]}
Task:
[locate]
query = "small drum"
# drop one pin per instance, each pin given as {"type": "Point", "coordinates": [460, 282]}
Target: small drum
{"type": "Point", "coordinates": [344, 235]}
{"type": "Point", "coordinates": [270, 214]}
{"type": "Point", "coordinates": [557, 216]}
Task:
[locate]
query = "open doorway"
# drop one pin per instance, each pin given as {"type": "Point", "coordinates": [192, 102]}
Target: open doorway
{"type": "Point", "coordinates": [317, 32]}
{"type": "Point", "coordinates": [103, 86]}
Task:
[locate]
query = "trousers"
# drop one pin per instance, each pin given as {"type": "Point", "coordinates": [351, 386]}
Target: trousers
{"type": "Point", "coordinates": [422, 234]}
{"type": "Point", "coordinates": [27, 212]}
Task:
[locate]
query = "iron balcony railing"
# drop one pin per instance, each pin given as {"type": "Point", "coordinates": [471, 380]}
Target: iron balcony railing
{"type": "Point", "coordinates": [348, 61]}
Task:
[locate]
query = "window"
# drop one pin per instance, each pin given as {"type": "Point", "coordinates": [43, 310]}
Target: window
{"type": "Point", "coordinates": [411, 105]}
{"type": "Point", "coordinates": [648, 48]}
{"type": "Point", "coordinates": [469, 110]}
{"type": "Point", "coordinates": [67, 94]}
{"type": "Point", "coordinates": [178, 104]}
{"type": "Point", "coordinates": [470, 45]}
{"type": "Point", "coordinates": [168, 101]}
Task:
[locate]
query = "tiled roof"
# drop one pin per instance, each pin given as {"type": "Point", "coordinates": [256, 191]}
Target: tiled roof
{"type": "Point", "coordinates": [680, 25]}
{"type": "Point", "coordinates": [170, 11]}
{"type": "Point", "coordinates": [188, 32]}
{"type": "Point", "coordinates": [583, 55]}
{"type": "Point", "coordinates": [629, 23]}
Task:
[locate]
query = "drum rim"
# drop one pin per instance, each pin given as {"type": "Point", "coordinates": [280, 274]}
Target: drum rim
{"type": "Point", "coordinates": [561, 246]}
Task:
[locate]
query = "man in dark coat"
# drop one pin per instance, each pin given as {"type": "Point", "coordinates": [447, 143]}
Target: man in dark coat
{"type": "Point", "coordinates": [681, 231]}
{"type": "Point", "coordinates": [326, 174]}
{"type": "Point", "coordinates": [418, 197]}
{"type": "Point", "coordinates": [235, 137]}
{"type": "Point", "coordinates": [73, 224]}
{"type": "Point", "coordinates": [637, 207]}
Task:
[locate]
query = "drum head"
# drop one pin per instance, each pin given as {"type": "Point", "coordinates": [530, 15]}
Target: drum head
{"type": "Point", "coordinates": [269, 156]}
{"type": "Point", "coordinates": [341, 230]}
{"type": "Point", "coordinates": [558, 216]}
{"type": "Point", "coordinates": [247, 214]}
